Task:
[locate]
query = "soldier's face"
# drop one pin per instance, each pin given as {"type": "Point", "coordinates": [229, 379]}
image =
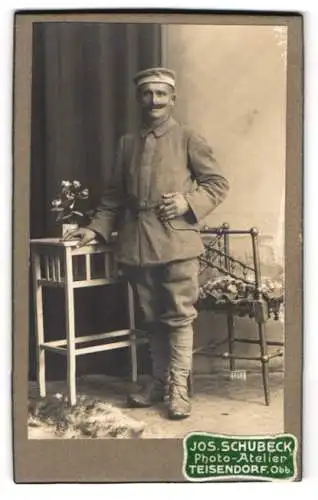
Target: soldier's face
{"type": "Point", "coordinates": [156, 100]}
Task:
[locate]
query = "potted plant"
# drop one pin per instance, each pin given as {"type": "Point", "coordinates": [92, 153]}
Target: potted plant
{"type": "Point", "coordinates": [68, 205]}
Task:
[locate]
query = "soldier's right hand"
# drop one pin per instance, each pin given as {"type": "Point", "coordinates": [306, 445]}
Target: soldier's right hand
{"type": "Point", "coordinates": [84, 235]}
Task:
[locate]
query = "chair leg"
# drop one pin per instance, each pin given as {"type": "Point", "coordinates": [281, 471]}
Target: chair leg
{"type": "Point", "coordinates": [230, 328]}
{"type": "Point", "coordinates": [264, 359]}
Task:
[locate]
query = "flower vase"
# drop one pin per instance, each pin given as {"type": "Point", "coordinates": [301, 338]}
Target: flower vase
{"type": "Point", "coordinates": [68, 227]}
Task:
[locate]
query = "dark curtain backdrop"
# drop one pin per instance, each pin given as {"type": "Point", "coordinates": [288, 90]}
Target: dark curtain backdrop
{"type": "Point", "coordinates": [83, 99]}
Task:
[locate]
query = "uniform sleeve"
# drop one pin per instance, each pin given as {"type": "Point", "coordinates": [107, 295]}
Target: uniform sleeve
{"type": "Point", "coordinates": [112, 199]}
{"type": "Point", "coordinates": [212, 186]}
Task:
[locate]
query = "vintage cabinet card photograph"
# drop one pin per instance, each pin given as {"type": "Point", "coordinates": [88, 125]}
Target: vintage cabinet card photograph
{"type": "Point", "coordinates": [157, 247]}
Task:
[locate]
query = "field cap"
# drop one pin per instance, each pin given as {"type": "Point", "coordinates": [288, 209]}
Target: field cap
{"type": "Point", "coordinates": [155, 75]}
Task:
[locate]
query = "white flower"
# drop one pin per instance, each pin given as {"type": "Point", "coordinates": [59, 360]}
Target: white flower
{"type": "Point", "coordinates": [66, 184]}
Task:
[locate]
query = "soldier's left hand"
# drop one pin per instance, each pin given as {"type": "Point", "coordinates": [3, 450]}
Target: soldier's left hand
{"type": "Point", "coordinates": [173, 205]}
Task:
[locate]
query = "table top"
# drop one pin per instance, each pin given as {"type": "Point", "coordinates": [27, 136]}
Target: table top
{"type": "Point", "coordinates": [62, 243]}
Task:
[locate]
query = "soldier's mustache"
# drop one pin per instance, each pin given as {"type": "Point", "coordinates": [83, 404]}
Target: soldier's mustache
{"type": "Point", "coordinates": [158, 106]}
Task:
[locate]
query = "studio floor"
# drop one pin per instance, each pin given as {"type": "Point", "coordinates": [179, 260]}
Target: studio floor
{"type": "Point", "coordinates": [220, 405]}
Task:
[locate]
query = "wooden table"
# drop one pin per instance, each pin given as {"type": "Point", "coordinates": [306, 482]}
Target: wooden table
{"type": "Point", "coordinates": [57, 263]}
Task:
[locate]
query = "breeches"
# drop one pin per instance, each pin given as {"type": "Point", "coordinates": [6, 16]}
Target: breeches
{"type": "Point", "coordinates": [166, 292]}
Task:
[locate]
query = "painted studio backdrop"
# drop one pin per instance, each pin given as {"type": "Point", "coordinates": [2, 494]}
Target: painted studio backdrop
{"type": "Point", "coordinates": [231, 88]}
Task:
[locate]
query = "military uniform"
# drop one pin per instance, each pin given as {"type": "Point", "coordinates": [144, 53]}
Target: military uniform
{"type": "Point", "coordinates": [171, 158]}
{"type": "Point", "coordinates": [160, 258]}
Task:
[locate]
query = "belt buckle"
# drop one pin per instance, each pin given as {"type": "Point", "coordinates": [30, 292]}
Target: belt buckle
{"type": "Point", "coordinates": [143, 205]}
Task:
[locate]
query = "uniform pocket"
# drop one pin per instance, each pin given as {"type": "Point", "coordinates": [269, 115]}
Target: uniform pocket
{"type": "Point", "coordinates": [183, 224]}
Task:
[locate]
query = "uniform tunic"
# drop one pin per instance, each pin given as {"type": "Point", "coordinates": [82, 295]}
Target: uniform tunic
{"type": "Point", "coordinates": [170, 158]}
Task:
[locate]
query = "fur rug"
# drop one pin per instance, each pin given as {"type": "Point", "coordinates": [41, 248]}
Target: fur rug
{"type": "Point", "coordinates": [89, 418]}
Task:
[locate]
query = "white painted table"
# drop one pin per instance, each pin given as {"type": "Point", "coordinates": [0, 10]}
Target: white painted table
{"type": "Point", "coordinates": [57, 263]}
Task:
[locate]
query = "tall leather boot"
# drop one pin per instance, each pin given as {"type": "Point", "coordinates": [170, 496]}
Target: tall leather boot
{"type": "Point", "coordinates": [157, 389]}
{"type": "Point", "coordinates": [181, 345]}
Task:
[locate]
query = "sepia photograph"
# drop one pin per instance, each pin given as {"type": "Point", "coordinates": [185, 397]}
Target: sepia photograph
{"type": "Point", "coordinates": [156, 230]}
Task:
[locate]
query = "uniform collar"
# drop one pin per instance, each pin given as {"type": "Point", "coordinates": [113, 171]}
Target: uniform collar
{"type": "Point", "coordinates": [160, 130]}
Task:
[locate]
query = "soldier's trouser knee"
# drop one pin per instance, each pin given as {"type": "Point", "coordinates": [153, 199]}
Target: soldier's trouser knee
{"type": "Point", "coordinates": [179, 293]}
{"type": "Point", "coordinates": [167, 294]}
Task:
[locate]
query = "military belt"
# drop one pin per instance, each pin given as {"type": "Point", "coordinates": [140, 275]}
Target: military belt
{"type": "Point", "coordinates": [142, 205]}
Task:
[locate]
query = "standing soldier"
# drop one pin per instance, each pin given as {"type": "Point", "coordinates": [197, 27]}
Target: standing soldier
{"type": "Point", "coordinates": [165, 180]}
